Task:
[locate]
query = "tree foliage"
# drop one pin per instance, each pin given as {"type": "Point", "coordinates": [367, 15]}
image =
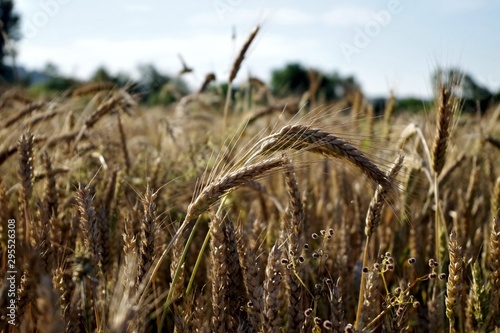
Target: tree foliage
{"type": "Point", "coordinates": [9, 25]}
{"type": "Point", "coordinates": [474, 96]}
{"type": "Point", "coordinates": [159, 88]}
{"type": "Point", "coordinates": [294, 79]}
{"type": "Point", "coordinates": [56, 81]}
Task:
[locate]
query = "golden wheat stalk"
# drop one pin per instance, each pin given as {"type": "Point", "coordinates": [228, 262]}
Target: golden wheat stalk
{"type": "Point", "coordinates": [288, 108]}
{"type": "Point", "coordinates": [377, 202]}
{"type": "Point", "coordinates": [388, 111]}
{"type": "Point", "coordinates": [222, 185]}
{"type": "Point", "coordinates": [493, 260]}
{"type": "Point", "coordinates": [219, 275]}
{"type": "Point", "coordinates": [493, 141]}
{"type": "Point", "coordinates": [273, 296]}
{"type": "Point", "coordinates": [236, 67]}
{"type": "Point", "coordinates": [253, 287]}
{"type": "Point", "coordinates": [301, 137]}
{"type": "Point", "coordinates": [208, 78]}
{"type": "Point", "coordinates": [26, 111]}
{"type": "Point", "coordinates": [26, 174]}
{"type": "Point", "coordinates": [93, 88]}
{"type": "Point", "coordinates": [447, 109]}
{"type": "Point", "coordinates": [455, 286]}
{"type": "Point", "coordinates": [372, 222]}
{"type": "Point", "coordinates": [241, 55]}
{"type": "Point", "coordinates": [11, 150]}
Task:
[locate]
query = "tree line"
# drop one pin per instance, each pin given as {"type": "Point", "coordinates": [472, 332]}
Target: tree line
{"type": "Point", "coordinates": [155, 87]}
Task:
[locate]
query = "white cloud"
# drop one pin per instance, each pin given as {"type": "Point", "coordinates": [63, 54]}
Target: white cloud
{"type": "Point", "coordinates": [246, 17]}
{"type": "Point", "coordinates": [201, 51]}
{"type": "Point", "coordinates": [204, 52]}
{"type": "Point", "coordinates": [348, 16]}
{"type": "Point", "coordinates": [289, 16]}
{"type": "Point", "coordinates": [306, 32]}
{"type": "Point", "coordinates": [464, 5]}
{"type": "Point", "coordinates": [137, 8]}
{"type": "Point", "coordinates": [232, 16]}
{"type": "Point", "coordinates": [279, 46]}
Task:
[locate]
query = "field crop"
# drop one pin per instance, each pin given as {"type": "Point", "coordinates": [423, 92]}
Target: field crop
{"type": "Point", "coordinates": [248, 215]}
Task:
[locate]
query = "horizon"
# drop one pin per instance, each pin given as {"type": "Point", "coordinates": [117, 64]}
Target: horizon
{"type": "Point", "coordinates": [387, 45]}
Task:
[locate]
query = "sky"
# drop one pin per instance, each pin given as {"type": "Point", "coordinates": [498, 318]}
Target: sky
{"type": "Point", "coordinates": [386, 45]}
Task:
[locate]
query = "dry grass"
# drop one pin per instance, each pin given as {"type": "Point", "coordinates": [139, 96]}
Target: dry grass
{"type": "Point", "coordinates": [132, 219]}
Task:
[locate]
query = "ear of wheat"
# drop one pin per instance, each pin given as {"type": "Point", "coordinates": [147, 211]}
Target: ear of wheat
{"type": "Point", "coordinates": [301, 137]}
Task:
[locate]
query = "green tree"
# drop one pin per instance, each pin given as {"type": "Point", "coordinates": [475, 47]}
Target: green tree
{"type": "Point", "coordinates": [9, 25]}
{"type": "Point", "coordinates": [150, 78]}
{"type": "Point", "coordinates": [334, 86]}
{"type": "Point", "coordinates": [292, 79]}
{"type": "Point", "coordinates": [56, 81]}
{"type": "Point", "coordinates": [158, 88]}
{"type": "Point", "coordinates": [102, 75]}
{"type": "Point", "coordinates": [473, 95]}
{"type": "Point", "coordinates": [121, 79]}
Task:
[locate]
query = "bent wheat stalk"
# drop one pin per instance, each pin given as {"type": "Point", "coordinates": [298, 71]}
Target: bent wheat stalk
{"type": "Point", "coordinates": [93, 88]}
{"type": "Point", "coordinates": [214, 191]}
{"type": "Point", "coordinates": [26, 111]}
{"type": "Point", "coordinates": [301, 137]}
{"type": "Point", "coordinates": [222, 185]}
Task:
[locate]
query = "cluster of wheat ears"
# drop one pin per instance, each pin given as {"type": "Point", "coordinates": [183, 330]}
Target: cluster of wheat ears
{"type": "Point", "coordinates": [291, 218]}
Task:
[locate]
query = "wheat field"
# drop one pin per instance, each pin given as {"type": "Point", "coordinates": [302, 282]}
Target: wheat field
{"type": "Point", "coordinates": [219, 214]}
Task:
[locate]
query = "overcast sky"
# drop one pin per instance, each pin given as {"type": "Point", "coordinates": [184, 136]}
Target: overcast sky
{"type": "Point", "coordinates": [385, 44]}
